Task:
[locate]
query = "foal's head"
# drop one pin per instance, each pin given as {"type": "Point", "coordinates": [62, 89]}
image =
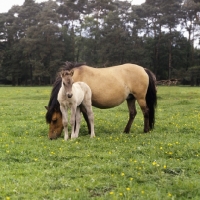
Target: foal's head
{"type": "Point", "coordinates": [67, 82]}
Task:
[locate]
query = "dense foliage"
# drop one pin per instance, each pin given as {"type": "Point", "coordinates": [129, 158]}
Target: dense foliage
{"type": "Point", "coordinates": [36, 38]}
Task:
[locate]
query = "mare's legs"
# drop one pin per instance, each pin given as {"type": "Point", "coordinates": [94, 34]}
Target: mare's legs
{"type": "Point", "coordinates": [78, 121]}
{"type": "Point", "coordinates": [73, 120]}
{"type": "Point", "coordinates": [132, 113]}
{"type": "Point", "coordinates": [145, 111]}
{"type": "Point", "coordinates": [84, 111]}
{"type": "Point", "coordinates": [64, 121]}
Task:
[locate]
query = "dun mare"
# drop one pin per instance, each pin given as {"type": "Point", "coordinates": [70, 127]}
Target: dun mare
{"type": "Point", "coordinates": [110, 87]}
{"type": "Point", "coordinates": [72, 95]}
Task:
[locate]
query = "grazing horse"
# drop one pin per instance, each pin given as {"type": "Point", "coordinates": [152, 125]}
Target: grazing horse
{"type": "Point", "coordinates": [110, 87]}
{"type": "Point", "coordinates": [72, 95]}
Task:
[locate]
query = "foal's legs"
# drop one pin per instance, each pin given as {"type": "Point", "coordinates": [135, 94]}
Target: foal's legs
{"type": "Point", "coordinates": [64, 121]}
{"type": "Point", "coordinates": [88, 106]}
{"type": "Point", "coordinates": [132, 113]}
{"type": "Point", "coordinates": [73, 120]}
{"type": "Point", "coordinates": [91, 119]}
{"type": "Point", "coordinates": [78, 123]}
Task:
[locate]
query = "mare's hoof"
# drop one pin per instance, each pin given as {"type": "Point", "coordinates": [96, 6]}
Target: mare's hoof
{"type": "Point", "coordinates": [126, 132]}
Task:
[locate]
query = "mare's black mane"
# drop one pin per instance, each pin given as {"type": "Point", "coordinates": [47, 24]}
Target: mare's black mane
{"type": "Point", "coordinates": [53, 104]}
{"type": "Point", "coordinates": [70, 65]}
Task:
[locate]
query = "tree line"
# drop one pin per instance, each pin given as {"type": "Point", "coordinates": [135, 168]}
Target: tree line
{"type": "Point", "coordinates": [36, 38]}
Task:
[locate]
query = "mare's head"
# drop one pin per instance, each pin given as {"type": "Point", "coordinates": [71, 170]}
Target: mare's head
{"type": "Point", "coordinates": [55, 123]}
{"type": "Point", "coordinates": [53, 114]}
{"type": "Point", "coordinates": [67, 82]}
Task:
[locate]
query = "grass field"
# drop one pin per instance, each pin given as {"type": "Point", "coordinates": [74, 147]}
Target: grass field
{"type": "Point", "coordinates": [163, 164]}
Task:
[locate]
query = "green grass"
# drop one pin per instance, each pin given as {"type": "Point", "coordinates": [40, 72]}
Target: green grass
{"type": "Point", "coordinates": [163, 164]}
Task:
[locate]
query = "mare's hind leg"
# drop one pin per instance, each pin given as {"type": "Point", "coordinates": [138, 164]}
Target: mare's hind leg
{"type": "Point", "coordinates": [84, 111]}
{"type": "Point", "coordinates": [145, 111]}
{"type": "Point", "coordinates": [132, 113]}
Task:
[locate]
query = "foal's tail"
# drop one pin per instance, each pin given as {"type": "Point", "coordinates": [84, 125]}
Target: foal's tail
{"type": "Point", "coordinates": [151, 97]}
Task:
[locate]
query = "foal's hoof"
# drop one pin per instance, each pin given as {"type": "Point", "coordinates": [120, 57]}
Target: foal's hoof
{"type": "Point", "coordinates": [74, 136]}
{"type": "Point", "coordinates": [92, 136]}
{"type": "Point", "coordinates": [66, 138]}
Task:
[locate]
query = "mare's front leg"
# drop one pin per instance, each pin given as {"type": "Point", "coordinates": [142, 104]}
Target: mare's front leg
{"type": "Point", "coordinates": [73, 120]}
{"type": "Point", "coordinates": [64, 121]}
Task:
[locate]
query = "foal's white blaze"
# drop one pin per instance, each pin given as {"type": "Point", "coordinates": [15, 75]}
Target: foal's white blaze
{"type": "Point", "coordinates": [81, 95]}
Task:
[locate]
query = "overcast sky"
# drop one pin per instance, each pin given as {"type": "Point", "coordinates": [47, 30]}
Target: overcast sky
{"type": "Point", "coordinates": [5, 5]}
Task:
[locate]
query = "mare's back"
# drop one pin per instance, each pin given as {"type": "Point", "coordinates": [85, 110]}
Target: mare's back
{"type": "Point", "coordinates": [109, 75]}
{"type": "Point", "coordinates": [111, 86]}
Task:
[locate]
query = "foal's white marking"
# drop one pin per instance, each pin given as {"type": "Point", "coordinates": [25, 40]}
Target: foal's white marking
{"type": "Point", "coordinates": [72, 96]}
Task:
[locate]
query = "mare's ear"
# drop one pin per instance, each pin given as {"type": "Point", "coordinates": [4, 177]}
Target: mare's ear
{"type": "Point", "coordinates": [47, 107]}
{"type": "Point", "coordinates": [72, 72]}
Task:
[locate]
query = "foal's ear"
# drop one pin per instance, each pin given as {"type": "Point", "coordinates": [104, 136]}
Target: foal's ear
{"type": "Point", "coordinates": [62, 73]}
{"type": "Point", "coordinates": [72, 72]}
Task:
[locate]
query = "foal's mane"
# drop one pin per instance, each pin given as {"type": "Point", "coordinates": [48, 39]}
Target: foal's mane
{"type": "Point", "coordinates": [53, 104]}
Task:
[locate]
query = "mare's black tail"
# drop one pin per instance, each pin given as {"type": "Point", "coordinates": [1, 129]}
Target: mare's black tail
{"type": "Point", "coordinates": [151, 97]}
